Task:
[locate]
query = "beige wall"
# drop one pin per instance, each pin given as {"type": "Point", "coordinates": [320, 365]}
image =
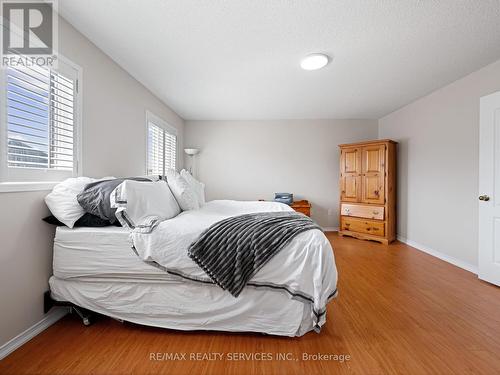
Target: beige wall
{"type": "Point", "coordinates": [438, 164]}
{"type": "Point", "coordinates": [114, 106]}
{"type": "Point", "coordinates": [252, 160]}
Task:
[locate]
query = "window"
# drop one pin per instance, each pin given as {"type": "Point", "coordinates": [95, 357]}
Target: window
{"type": "Point", "coordinates": [161, 145]}
{"type": "Point", "coordinates": [40, 120]}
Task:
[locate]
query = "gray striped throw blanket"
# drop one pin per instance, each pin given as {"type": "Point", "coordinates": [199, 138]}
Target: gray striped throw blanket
{"type": "Point", "coordinates": [231, 251]}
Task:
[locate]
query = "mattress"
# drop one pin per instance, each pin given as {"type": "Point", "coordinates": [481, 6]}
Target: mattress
{"type": "Point", "coordinates": [97, 253]}
{"type": "Point", "coordinates": [188, 306]}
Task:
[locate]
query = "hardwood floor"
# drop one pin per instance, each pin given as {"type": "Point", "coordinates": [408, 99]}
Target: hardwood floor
{"type": "Point", "coordinates": [399, 311]}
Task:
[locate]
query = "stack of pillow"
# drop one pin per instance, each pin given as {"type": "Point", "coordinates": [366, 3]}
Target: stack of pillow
{"type": "Point", "coordinates": [84, 201]}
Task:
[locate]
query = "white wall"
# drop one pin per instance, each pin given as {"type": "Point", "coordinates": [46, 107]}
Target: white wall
{"type": "Point", "coordinates": [438, 160]}
{"type": "Point", "coordinates": [252, 160]}
{"type": "Point", "coordinates": [114, 143]}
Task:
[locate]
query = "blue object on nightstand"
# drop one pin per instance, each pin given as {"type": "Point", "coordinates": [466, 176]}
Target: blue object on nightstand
{"type": "Point", "coordinates": [286, 198]}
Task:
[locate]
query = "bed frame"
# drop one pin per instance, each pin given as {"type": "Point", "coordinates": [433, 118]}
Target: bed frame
{"type": "Point", "coordinates": [87, 316]}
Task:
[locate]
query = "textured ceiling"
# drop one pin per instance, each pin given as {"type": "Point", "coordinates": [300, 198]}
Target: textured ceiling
{"type": "Point", "coordinates": [234, 59]}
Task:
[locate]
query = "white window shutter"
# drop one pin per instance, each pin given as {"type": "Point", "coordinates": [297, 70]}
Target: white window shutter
{"type": "Point", "coordinates": [27, 118]}
{"type": "Point", "coordinates": [170, 150]}
{"type": "Point", "coordinates": [155, 150]}
{"type": "Point", "coordinates": [62, 93]}
{"type": "Point", "coordinates": [40, 122]}
{"type": "Point", "coordinates": [161, 146]}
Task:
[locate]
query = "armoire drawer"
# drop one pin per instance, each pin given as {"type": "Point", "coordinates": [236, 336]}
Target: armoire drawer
{"type": "Point", "coordinates": [376, 228]}
{"type": "Point", "coordinates": [368, 212]}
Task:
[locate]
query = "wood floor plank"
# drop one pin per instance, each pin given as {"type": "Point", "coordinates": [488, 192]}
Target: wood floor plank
{"type": "Point", "coordinates": [399, 311]}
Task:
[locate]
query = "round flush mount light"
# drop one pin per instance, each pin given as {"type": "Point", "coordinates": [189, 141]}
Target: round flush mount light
{"type": "Point", "coordinates": [314, 61]}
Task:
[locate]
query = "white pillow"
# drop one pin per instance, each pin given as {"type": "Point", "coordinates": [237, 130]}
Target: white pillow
{"type": "Point", "coordinates": [198, 187]}
{"type": "Point", "coordinates": [62, 201]}
{"type": "Point", "coordinates": [142, 205]}
{"type": "Point", "coordinates": [183, 192]}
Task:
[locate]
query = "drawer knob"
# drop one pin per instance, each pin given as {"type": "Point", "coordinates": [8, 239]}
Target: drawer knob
{"type": "Point", "coordinates": [375, 212]}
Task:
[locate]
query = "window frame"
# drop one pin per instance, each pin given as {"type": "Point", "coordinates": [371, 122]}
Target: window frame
{"type": "Point", "coordinates": [165, 126]}
{"type": "Point", "coordinates": [43, 179]}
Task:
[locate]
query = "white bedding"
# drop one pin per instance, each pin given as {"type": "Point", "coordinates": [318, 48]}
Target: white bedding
{"type": "Point", "coordinates": [187, 306]}
{"type": "Point", "coordinates": [99, 253]}
{"type": "Point", "coordinates": [304, 269]}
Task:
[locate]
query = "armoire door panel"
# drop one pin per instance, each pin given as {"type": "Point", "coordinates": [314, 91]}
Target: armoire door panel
{"type": "Point", "coordinates": [351, 161]}
{"type": "Point", "coordinates": [350, 186]}
{"type": "Point", "coordinates": [373, 189]}
{"type": "Point", "coordinates": [373, 159]}
{"type": "Point", "coordinates": [350, 170]}
{"type": "Point", "coordinates": [373, 174]}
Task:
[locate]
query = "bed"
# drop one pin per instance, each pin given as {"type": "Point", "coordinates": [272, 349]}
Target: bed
{"type": "Point", "coordinates": [111, 271]}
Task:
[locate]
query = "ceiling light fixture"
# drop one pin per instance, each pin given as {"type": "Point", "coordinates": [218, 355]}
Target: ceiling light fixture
{"type": "Point", "coordinates": [314, 61]}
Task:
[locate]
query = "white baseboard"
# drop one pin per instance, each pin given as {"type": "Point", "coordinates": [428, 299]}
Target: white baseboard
{"type": "Point", "coordinates": [331, 229]}
{"type": "Point", "coordinates": [456, 262]}
{"type": "Point", "coordinates": [53, 316]}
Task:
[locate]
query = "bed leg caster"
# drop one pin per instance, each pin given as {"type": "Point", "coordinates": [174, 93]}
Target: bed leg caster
{"type": "Point", "coordinates": [85, 315]}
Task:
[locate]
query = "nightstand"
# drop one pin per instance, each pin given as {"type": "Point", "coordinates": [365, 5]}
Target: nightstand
{"type": "Point", "coordinates": [302, 206]}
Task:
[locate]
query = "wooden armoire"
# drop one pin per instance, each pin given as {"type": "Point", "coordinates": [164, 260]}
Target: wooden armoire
{"type": "Point", "coordinates": [368, 190]}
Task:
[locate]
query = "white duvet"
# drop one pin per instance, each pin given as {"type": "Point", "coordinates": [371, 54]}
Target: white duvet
{"type": "Point", "coordinates": [304, 269]}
